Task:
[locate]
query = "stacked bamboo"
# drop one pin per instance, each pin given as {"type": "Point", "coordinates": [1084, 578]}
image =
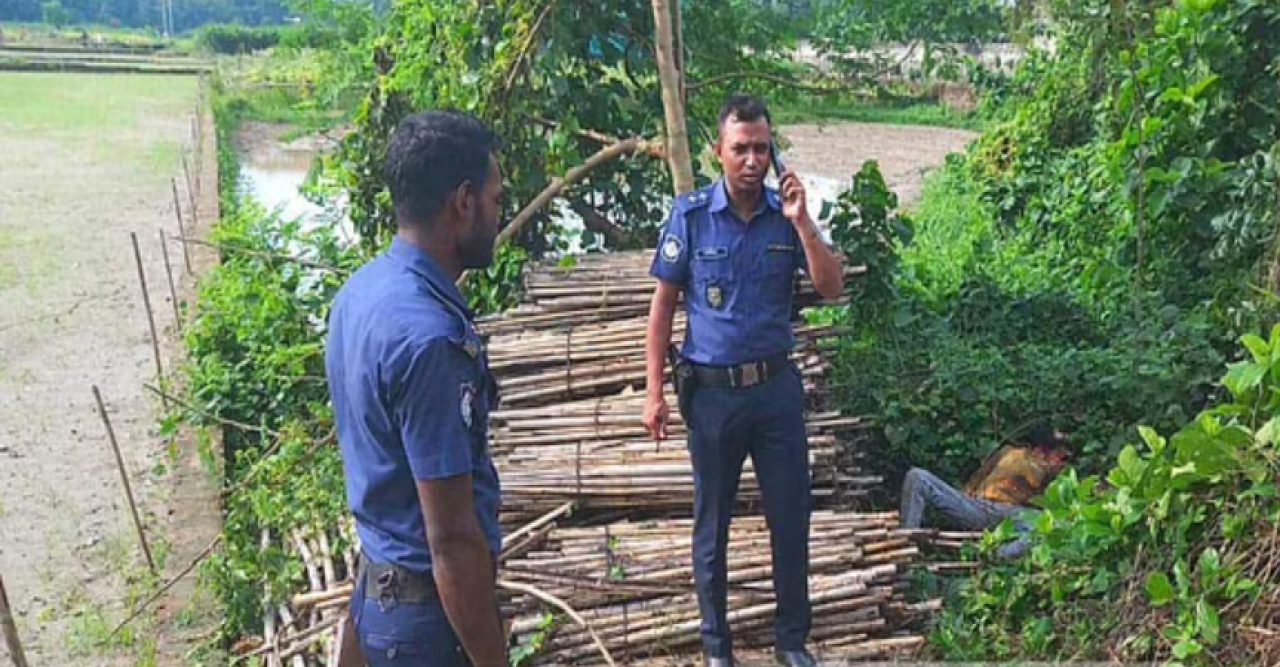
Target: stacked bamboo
{"type": "Point", "coordinates": [598, 453]}
{"type": "Point", "coordinates": [570, 362]}
{"type": "Point", "coordinates": [632, 584]}
{"type": "Point", "coordinates": [599, 288]}
{"type": "Point", "coordinates": [596, 513]}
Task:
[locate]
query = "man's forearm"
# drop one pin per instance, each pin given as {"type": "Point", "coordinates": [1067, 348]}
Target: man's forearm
{"type": "Point", "coordinates": [825, 266]}
{"type": "Point", "coordinates": [464, 574]}
{"type": "Point", "coordinates": [657, 342]}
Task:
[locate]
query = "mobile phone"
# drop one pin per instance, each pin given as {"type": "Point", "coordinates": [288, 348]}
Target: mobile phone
{"type": "Point", "coordinates": [776, 158]}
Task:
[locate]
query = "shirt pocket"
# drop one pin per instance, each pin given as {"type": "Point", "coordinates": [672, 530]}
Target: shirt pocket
{"type": "Point", "coordinates": [775, 270]}
{"type": "Point", "coordinates": [713, 278]}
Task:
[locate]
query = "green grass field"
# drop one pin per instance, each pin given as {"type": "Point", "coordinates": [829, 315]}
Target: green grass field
{"type": "Point", "coordinates": [76, 142]}
{"type": "Point", "coordinates": [819, 109]}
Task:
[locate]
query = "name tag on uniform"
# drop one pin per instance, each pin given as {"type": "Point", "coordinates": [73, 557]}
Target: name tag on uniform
{"type": "Point", "coordinates": [778, 247]}
{"type": "Point", "coordinates": [712, 253]}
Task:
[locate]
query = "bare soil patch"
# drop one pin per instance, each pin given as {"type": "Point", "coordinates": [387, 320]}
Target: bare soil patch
{"type": "Point", "coordinates": [905, 152]}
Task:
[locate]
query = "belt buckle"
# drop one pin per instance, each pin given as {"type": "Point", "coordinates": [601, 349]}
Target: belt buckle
{"type": "Point", "coordinates": [750, 375]}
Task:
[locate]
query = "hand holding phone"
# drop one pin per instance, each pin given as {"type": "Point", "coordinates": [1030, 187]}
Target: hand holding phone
{"type": "Point", "coordinates": [775, 156]}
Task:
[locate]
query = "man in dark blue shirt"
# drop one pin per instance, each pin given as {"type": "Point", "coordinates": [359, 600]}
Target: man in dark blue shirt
{"type": "Point", "coordinates": [734, 249]}
{"type": "Point", "coordinates": [412, 392]}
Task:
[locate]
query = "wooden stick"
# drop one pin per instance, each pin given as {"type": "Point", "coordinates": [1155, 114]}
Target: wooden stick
{"type": "Point", "coordinates": [137, 611]}
{"type": "Point", "coordinates": [151, 319]}
{"type": "Point", "coordinates": [191, 195]}
{"type": "Point", "coordinates": [557, 185]}
{"type": "Point", "coordinates": [10, 628]}
{"type": "Point", "coordinates": [223, 247]}
{"type": "Point", "coordinates": [124, 479]}
{"type": "Point", "coordinates": [182, 230]}
{"type": "Point", "coordinates": [173, 291]}
{"type": "Point", "coordinates": [563, 606]}
{"type": "Point", "coordinates": [207, 415]}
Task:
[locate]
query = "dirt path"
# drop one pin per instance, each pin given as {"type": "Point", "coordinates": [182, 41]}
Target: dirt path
{"type": "Point", "coordinates": [905, 152]}
{"type": "Point", "coordinates": [87, 161]}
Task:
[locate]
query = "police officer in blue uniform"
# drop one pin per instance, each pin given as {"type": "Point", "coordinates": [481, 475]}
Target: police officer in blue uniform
{"type": "Point", "coordinates": [733, 250]}
{"type": "Point", "coordinates": [412, 392]}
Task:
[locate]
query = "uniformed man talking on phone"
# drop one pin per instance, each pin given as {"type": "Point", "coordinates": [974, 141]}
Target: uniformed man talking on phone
{"type": "Point", "coordinates": [734, 249]}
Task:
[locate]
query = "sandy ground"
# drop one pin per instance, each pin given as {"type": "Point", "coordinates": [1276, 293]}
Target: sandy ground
{"type": "Point", "coordinates": [87, 161]}
{"type": "Point", "coordinates": [905, 153]}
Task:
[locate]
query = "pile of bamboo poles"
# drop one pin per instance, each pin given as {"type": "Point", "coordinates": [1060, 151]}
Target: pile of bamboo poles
{"type": "Point", "coordinates": [632, 585]}
{"type": "Point", "coordinates": [598, 453]}
{"type": "Point", "coordinates": [600, 288]}
{"type": "Point", "coordinates": [596, 513]}
{"type": "Point", "coordinates": [570, 362]}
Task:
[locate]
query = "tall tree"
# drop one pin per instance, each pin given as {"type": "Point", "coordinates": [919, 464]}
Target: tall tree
{"type": "Point", "coordinates": [670, 77]}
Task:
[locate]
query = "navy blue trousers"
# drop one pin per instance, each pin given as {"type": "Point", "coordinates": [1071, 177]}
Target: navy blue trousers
{"type": "Point", "coordinates": [726, 425]}
{"type": "Point", "coordinates": [393, 634]}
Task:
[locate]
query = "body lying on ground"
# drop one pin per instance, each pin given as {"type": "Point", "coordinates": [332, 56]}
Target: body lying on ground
{"type": "Point", "coordinates": [1001, 489]}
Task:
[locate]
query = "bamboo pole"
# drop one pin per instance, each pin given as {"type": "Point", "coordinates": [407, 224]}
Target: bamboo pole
{"type": "Point", "coordinates": [151, 318]}
{"type": "Point", "coordinates": [182, 230]}
{"type": "Point", "coordinates": [10, 628]}
{"type": "Point", "coordinates": [191, 195]}
{"type": "Point", "coordinates": [173, 291]}
{"type": "Point", "coordinates": [124, 480]}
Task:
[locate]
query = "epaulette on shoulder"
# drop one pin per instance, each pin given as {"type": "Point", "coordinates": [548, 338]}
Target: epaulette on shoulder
{"type": "Point", "coordinates": [695, 199]}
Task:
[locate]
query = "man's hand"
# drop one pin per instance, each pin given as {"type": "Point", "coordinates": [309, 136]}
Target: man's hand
{"type": "Point", "coordinates": [662, 311]}
{"type": "Point", "coordinates": [656, 415]}
{"type": "Point", "coordinates": [794, 203]}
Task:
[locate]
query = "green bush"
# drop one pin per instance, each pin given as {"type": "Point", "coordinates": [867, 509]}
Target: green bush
{"type": "Point", "coordinates": [231, 39]}
{"type": "Point", "coordinates": [1088, 261]}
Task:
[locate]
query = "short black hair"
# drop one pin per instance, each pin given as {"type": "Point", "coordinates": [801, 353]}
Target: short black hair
{"type": "Point", "coordinates": [430, 155]}
{"type": "Point", "coordinates": [1045, 435]}
{"type": "Point", "coordinates": [745, 108]}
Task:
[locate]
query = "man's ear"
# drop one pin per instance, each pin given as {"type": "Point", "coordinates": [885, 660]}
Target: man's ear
{"type": "Point", "coordinates": [463, 200]}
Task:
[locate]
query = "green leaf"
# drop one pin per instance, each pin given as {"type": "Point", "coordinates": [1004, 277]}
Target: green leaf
{"type": "Point", "coordinates": [1207, 621]}
{"type": "Point", "coordinates": [1243, 377]}
{"type": "Point", "coordinates": [1202, 85]}
{"type": "Point", "coordinates": [1266, 434]}
{"type": "Point", "coordinates": [1209, 567]}
{"type": "Point", "coordinates": [1259, 348]}
{"type": "Point", "coordinates": [1160, 589]}
{"type": "Point", "coordinates": [1186, 648]}
{"type": "Point", "coordinates": [1183, 577]}
{"type": "Point", "coordinates": [1153, 439]}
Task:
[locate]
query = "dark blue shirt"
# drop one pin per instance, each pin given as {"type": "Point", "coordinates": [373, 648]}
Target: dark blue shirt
{"type": "Point", "coordinates": [738, 276]}
{"type": "Point", "coordinates": [411, 393]}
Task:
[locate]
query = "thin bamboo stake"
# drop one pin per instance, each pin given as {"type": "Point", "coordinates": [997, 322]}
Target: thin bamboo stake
{"type": "Point", "coordinates": [173, 291]}
{"type": "Point", "coordinates": [151, 318]}
{"type": "Point", "coordinates": [182, 230]}
{"type": "Point", "coordinates": [191, 195]}
{"type": "Point", "coordinates": [145, 604]}
{"type": "Point", "coordinates": [124, 479]}
{"type": "Point", "coordinates": [10, 628]}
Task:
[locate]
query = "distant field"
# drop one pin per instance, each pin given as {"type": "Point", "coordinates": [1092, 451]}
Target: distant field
{"type": "Point", "coordinates": [818, 109]}
{"type": "Point", "coordinates": [86, 160]}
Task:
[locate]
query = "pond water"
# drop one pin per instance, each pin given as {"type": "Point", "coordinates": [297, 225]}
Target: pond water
{"type": "Point", "coordinates": [274, 175]}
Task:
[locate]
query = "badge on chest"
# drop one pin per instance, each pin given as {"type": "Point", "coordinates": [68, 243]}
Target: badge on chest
{"type": "Point", "coordinates": [715, 296]}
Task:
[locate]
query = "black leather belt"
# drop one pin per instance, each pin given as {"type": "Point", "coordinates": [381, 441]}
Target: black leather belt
{"type": "Point", "coordinates": [394, 583]}
{"type": "Point", "coordinates": [741, 376]}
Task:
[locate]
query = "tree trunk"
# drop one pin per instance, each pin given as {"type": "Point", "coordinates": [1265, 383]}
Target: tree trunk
{"type": "Point", "coordinates": [678, 155]}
